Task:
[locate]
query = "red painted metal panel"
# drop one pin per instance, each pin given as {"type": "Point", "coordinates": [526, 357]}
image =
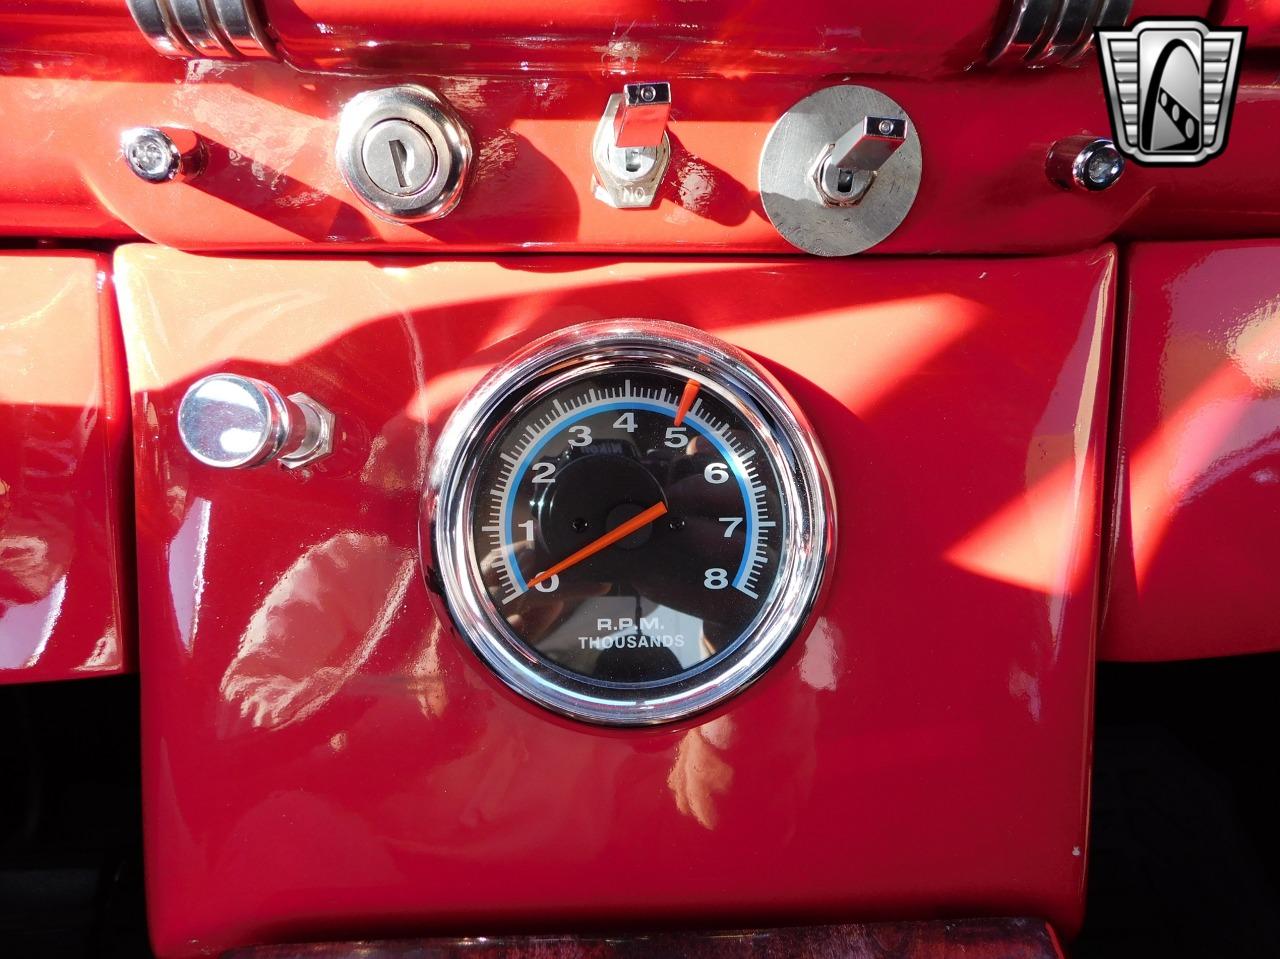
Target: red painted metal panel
{"type": "Point", "coordinates": [60, 29]}
{"type": "Point", "coordinates": [720, 36]}
{"type": "Point", "coordinates": [727, 37]}
{"type": "Point", "coordinates": [1262, 17]}
{"type": "Point", "coordinates": [1197, 516]}
{"type": "Point", "coordinates": [562, 36]}
{"type": "Point", "coordinates": [324, 757]}
{"type": "Point", "coordinates": [272, 182]}
{"type": "Point", "coordinates": [63, 471]}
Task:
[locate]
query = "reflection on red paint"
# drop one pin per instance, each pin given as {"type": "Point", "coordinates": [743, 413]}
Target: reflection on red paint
{"type": "Point", "coordinates": [861, 352]}
{"type": "Point", "coordinates": [63, 416]}
{"type": "Point", "coordinates": [1233, 415]}
{"type": "Point", "coordinates": [393, 777]}
{"type": "Point", "coordinates": [1035, 541]}
{"type": "Point", "coordinates": [1042, 538]}
{"type": "Point", "coordinates": [317, 625]}
{"type": "Point", "coordinates": [1198, 460]}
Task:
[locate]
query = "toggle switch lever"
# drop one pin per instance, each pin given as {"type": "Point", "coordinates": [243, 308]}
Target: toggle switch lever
{"type": "Point", "coordinates": [631, 149]}
{"type": "Point", "coordinates": [641, 120]}
{"type": "Point", "coordinates": [848, 168]}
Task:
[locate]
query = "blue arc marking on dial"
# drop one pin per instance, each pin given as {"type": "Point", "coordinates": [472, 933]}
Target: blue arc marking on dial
{"type": "Point", "coordinates": [518, 471]}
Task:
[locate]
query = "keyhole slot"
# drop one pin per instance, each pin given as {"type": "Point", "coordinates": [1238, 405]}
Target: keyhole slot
{"type": "Point", "coordinates": [399, 160]}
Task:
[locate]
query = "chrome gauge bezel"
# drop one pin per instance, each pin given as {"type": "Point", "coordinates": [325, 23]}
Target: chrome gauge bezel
{"type": "Point", "coordinates": [577, 353]}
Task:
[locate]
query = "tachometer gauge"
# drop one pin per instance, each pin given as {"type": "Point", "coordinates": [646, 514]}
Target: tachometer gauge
{"type": "Point", "coordinates": [629, 521]}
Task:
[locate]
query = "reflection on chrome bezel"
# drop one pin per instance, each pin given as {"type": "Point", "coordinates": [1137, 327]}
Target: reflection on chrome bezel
{"type": "Point", "coordinates": [579, 352]}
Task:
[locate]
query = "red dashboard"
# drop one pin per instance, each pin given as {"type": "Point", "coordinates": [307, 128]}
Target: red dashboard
{"type": "Point", "coordinates": [1035, 421]}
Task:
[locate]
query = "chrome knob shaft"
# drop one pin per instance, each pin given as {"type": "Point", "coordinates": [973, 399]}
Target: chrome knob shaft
{"type": "Point", "coordinates": [237, 422]}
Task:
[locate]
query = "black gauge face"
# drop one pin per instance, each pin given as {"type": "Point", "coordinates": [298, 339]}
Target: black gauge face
{"type": "Point", "coordinates": [628, 521]}
{"type": "Point", "coordinates": [626, 525]}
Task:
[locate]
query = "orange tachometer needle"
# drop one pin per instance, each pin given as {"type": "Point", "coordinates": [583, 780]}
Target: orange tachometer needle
{"type": "Point", "coordinates": [608, 539]}
{"type": "Point", "coordinates": [686, 400]}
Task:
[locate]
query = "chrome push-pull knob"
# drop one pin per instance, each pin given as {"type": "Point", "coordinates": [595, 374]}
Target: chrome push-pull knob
{"type": "Point", "coordinates": [848, 168]}
{"type": "Point", "coordinates": [631, 149]}
{"type": "Point", "coordinates": [236, 422]}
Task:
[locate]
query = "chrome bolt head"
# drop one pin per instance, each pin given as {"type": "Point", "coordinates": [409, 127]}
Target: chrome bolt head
{"type": "Point", "coordinates": [1085, 163]}
{"type": "Point", "coordinates": [1103, 167]}
{"type": "Point", "coordinates": [160, 155]}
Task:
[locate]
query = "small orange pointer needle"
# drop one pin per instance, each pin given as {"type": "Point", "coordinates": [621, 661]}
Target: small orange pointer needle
{"type": "Point", "coordinates": [686, 400]}
{"type": "Point", "coordinates": [608, 539]}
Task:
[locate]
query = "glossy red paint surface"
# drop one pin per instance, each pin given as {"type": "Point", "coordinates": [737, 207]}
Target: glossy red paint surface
{"type": "Point", "coordinates": [1261, 17]}
{"type": "Point", "coordinates": [64, 493]}
{"type": "Point", "coordinates": [324, 757]}
{"type": "Point", "coordinates": [761, 36]}
{"type": "Point", "coordinates": [728, 37]}
{"type": "Point", "coordinates": [71, 27]}
{"type": "Point", "coordinates": [272, 183]}
{"type": "Point", "coordinates": [1197, 515]}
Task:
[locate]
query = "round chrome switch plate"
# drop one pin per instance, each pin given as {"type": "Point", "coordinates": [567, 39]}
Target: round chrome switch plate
{"type": "Point", "coordinates": [404, 152]}
{"type": "Point", "coordinates": [796, 146]}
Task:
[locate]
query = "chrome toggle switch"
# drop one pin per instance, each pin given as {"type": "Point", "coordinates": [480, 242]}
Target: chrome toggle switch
{"type": "Point", "coordinates": [163, 154]}
{"type": "Point", "coordinates": [641, 120]}
{"type": "Point", "coordinates": [631, 149]}
{"type": "Point", "coordinates": [237, 422]}
{"type": "Point", "coordinates": [840, 170]}
{"type": "Point", "coordinates": [848, 168]}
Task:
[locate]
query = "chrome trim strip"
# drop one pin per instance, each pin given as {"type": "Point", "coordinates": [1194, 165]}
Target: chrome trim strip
{"type": "Point", "coordinates": [214, 29]}
{"type": "Point", "coordinates": [193, 19]}
{"type": "Point", "coordinates": [1041, 33]}
{"type": "Point", "coordinates": [1112, 15]}
{"type": "Point", "coordinates": [155, 20]}
{"type": "Point", "coordinates": [1073, 22]}
{"type": "Point", "coordinates": [1022, 30]}
{"type": "Point", "coordinates": [244, 27]}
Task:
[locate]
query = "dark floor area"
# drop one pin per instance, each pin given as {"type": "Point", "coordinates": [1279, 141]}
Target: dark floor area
{"type": "Point", "coordinates": [1185, 829]}
{"type": "Point", "coordinates": [70, 821]}
{"type": "Point", "coordinates": [1185, 850]}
